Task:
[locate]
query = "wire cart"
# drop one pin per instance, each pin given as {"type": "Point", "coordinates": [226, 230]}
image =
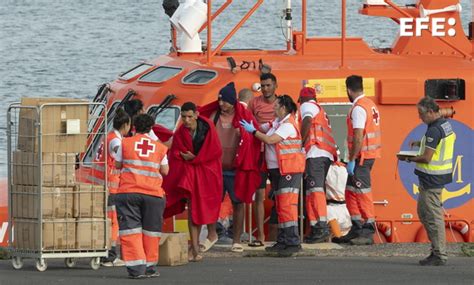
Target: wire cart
{"type": "Point", "coordinates": [54, 212]}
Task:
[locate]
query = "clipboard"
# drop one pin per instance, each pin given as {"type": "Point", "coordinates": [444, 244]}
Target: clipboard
{"type": "Point", "coordinates": [411, 153]}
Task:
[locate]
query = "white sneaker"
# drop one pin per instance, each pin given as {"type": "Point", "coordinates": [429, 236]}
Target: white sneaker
{"type": "Point", "coordinates": [116, 263]}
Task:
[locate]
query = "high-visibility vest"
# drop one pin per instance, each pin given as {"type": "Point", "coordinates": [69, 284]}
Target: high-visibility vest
{"type": "Point", "coordinates": [372, 139]}
{"type": "Point", "coordinates": [320, 133]}
{"type": "Point", "coordinates": [113, 174]}
{"type": "Point", "coordinates": [442, 160]}
{"type": "Point", "coordinates": [97, 173]}
{"type": "Point", "coordinates": [291, 158]}
{"type": "Point", "coordinates": [141, 161]}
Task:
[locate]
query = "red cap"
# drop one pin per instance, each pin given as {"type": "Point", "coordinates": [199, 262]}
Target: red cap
{"type": "Point", "coordinates": [307, 92]}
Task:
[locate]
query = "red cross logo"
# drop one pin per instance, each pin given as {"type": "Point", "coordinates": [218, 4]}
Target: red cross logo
{"type": "Point", "coordinates": [99, 152]}
{"type": "Point", "coordinates": [144, 148]}
{"type": "Point", "coordinates": [375, 116]}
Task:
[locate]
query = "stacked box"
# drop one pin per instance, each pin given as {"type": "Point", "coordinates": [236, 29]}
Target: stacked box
{"type": "Point", "coordinates": [90, 234]}
{"type": "Point", "coordinates": [64, 127]}
{"type": "Point", "coordinates": [59, 234]}
{"type": "Point", "coordinates": [58, 168]}
{"type": "Point", "coordinates": [62, 132]}
{"type": "Point", "coordinates": [89, 201]}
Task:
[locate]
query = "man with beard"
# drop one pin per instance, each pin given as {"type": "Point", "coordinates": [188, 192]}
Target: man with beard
{"type": "Point", "coordinates": [364, 145]}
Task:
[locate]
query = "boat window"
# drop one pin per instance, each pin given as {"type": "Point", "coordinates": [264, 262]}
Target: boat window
{"type": "Point", "coordinates": [199, 77]}
{"type": "Point", "coordinates": [100, 135]}
{"type": "Point", "coordinates": [167, 117]}
{"type": "Point", "coordinates": [96, 111]}
{"type": "Point", "coordinates": [337, 114]}
{"type": "Point", "coordinates": [446, 89]}
{"type": "Point", "coordinates": [127, 75]}
{"type": "Point", "coordinates": [160, 74]}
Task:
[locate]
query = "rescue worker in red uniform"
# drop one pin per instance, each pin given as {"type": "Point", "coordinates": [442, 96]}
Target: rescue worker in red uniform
{"type": "Point", "coordinates": [320, 149]}
{"type": "Point", "coordinates": [140, 199]}
{"type": "Point", "coordinates": [121, 125]}
{"type": "Point", "coordinates": [364, 145]}
{"type": "Point", "coordinates": [285, 162]}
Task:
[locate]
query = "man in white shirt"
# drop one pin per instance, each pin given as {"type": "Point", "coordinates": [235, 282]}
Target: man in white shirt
{"type": "Point", "coordinates": [320, 153]}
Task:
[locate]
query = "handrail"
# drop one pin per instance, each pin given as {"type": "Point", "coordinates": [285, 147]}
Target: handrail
{"type": "Point", "coordinates": [303, 25]}
{"type": "Point", "coordinates": [394, 6]}
{"type": "Point", "coordinates": [343, 33]}
{"type": "Point", "coordinates": [234, 30]}
{"type": "Point", "coordinates": [222, 8]}
{"type": "Point", "coordinates": [209, 31]}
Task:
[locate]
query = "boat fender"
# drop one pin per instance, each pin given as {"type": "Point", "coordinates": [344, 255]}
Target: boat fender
{"type": "Point", "coordinates": [386, 231]}
{"type": "Point", "coordinates": [461, 227]}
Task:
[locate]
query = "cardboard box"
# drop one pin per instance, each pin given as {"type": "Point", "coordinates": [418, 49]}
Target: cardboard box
{"type": "Point", "coordinates": [63, 127]}
{"type": "Point", "coordinates": [24, 234]}
{"type": "Point", "coordinates": [89, 201]}
{"type": "Point", "coordinates": [173, 249]}
{"type": "Point", "coordinates": [59, 169]}
{"type": "Point", "coordinates": [59, 234]}
{"type": "Point", "coordinates": [58, 202]}
{"type": "Point", "coordinates": [24, 201]}
{"type": "Point", "coordinates": [91, 234]}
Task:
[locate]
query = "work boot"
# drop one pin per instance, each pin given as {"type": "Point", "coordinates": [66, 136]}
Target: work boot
{"type": "Point", "coordinates": [432, 260]}
{"type": "Point", "coordinates": [319, 233]}
{"type": "Point", "coordinates": [366, 235]}
{"type": "Point", "coordinates": [353, 233]}
{"type": "Point", "coordinates": [290, 249]}
{"type": "Point", "coordinates": [276, 247]}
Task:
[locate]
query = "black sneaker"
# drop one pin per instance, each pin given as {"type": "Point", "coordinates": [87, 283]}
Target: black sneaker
{"type": "Point", "coordinates": [137, 276]}
{"type": "Point", "coordinates": [433, 260]}
{"type": "Point", "coordinates": [290, 249]}
{"type": "Point", "coordinates": [318, 238]}
{"type": "Point", "coordinates": [276, 247]}
{"type": "Point", "coordinates": [362, 241]}
{"type": "Point", "coordinates": [353, 233]}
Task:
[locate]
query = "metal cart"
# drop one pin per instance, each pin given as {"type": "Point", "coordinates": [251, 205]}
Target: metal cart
{"type": "Point", "coordinates": [54, 212]}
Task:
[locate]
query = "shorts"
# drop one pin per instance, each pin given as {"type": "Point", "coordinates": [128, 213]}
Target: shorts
{"type": "Point", "coordinates": [229, 186]}
{"type": "Point", "coordinates": [263, 183]}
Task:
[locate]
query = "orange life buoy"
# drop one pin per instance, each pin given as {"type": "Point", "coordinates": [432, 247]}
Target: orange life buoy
{"type": "Point", "coordinates": [389, 234]}
{"type": "Point", "coordinates": [455, 232]}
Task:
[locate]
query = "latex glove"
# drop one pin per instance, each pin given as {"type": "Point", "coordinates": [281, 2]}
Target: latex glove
{"type": "Point", "coordinates": [350, 167]}
{"type": "Point", "coordinates": [247, 126]}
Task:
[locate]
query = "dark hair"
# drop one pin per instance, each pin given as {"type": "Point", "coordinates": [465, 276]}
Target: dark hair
{"type": "Point", "coordinates": [143, 123]}
{"type": "Point", "coordinates": [266, 76]}
{"type": "Point", "coordinates": [428, 104]}
{"type": "Point", "coordinates": [188, 106]}
{"type": "Point", "coordinates": [132, 107]}
{"type": "Point", "coordinates": [355, 83]}
{"type": "Point", "coordinates": [121, 118]}
{"type": "Point", "coordinates": [287, 102]}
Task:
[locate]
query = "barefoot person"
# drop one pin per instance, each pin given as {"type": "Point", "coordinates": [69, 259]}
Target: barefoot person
{"type": "Point", "coordinates": [195, 175]}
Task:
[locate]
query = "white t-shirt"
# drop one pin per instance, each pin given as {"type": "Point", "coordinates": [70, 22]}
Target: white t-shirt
{"type": "Point", "coordinates": [358, 116]}
{"type": "Point", "coordinates": [309, 109]}
{"type": "Point", "coordinates": [116, 142]}
{"type": "Point", "coordinates": [119, 158]}
{"type": "Point", "coordinates": [284, 130]}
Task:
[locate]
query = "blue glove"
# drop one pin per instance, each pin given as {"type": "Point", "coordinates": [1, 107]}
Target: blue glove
{"type": "Point", "coordinates": [247, 126]}
{"type": "Point", "coordinates": [350, 167]}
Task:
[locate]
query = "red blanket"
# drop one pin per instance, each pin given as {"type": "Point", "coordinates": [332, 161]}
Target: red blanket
{"type": "Point", "coordinates": [162, 133]}
{"type": "Point", "coordinates": [199, 180]}
{"type": "Point", "coordinates": [247, 175]}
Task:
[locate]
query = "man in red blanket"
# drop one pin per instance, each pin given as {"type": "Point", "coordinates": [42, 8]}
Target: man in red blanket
{"type": "Point", "coordinates": [195, 174]}
{"type": "Point", "coordinates": [240, 157]}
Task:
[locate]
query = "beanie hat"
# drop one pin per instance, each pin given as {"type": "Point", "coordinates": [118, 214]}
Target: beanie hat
{"type": "Point", "coordinates": [228, 94]}
{"type": "Point", "coordinates": [307, 92]}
